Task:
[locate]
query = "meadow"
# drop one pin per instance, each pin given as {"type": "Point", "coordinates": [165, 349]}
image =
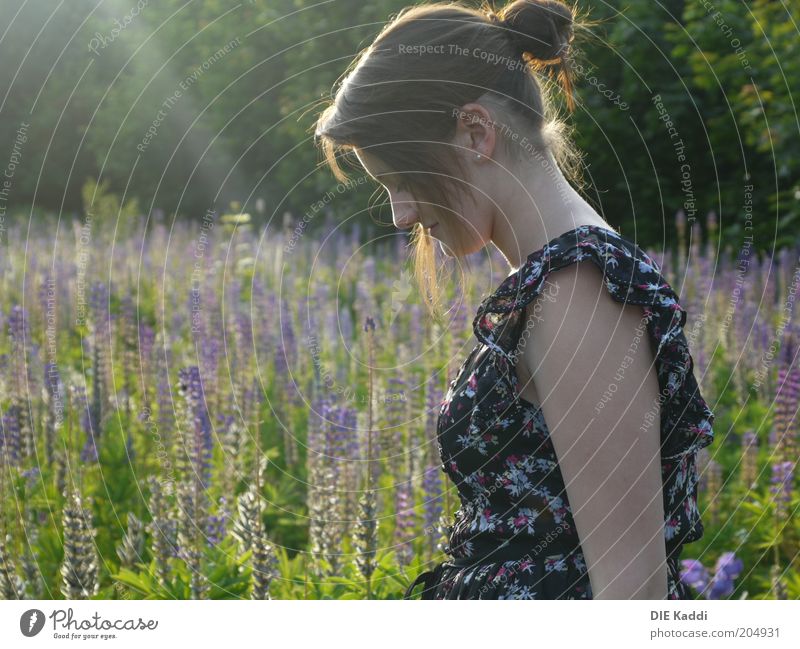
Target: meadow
{"type": "Point", "coordinates": [215, 410]}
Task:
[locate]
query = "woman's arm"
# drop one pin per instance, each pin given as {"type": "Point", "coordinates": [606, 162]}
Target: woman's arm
{"type": "Point", "coordinates": [583, 344]}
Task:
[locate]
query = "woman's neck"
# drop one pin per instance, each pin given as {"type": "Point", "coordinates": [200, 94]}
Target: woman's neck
{"type": "Point", "coordinates": [541, 206]}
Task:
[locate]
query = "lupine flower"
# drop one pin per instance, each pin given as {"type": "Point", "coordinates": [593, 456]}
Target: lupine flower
{"type": "Point", "coordinates": [131, 550]}
{"type": "Point", "coordinates": [31, 476]}
{"type": "Point", "coordinates": [217, 523]}
{"type": "Point", "coordinates": [777, 582]}
{"type": "Point", "coordinates": [147, 339]}
{"type": "Point", "coordinates": [101, 320]}
{"type": "Point", "coordinates": [18, 333]}
{"type": "Point", "coordinates": [20, 379]}
{"type": "Point", "coordinates": [11, 436]}
{"type": "Point", "coordinates": [11, 584]}
{"type": "Point", "coordinates": [55, 399]}
{"type": "Point", "coordinates": [749, 458]}
{"type": "Point", "coordinates": [31, 569]}
{"type": "Point", "coordinates": [192, 520]}
{"type": "Point", "coordinates": [343, 443]}
{"type": "Point", "coordinates": [80, 402]}
{"type": "Point", "coordinates": [162, 528]}
{"type": "Point", "coordinates": [781, 489]}
{"type": "Point", "coordinates": [432, 501]}
{"type": "Point", "coordinates": [166, 413]}
{"type": "Point", "coordinates": [97, 408]}
{"type": "Point", "coordinates": [787, 399]}
{"type": "Point", "coordinates": [694, 574]}
{"type": "Point", "coordinates": [265, 567]}
{"type": "Point", "coordinates": [80, 567]}
{"type": "Point", "coordinates": [404, 521]}
{"type": "Point", "coordinates": [727, 569]}
{"type": "Point", "coordinates": [191, 389]}
{"type": "Point", "coordinates": [323, 507]}
{"type": "Point", "coordinates": [729, 565]}
{"type": "Point", "coordinates": [128, 339]}
{"type": "Point", "coordinates": [394, 413]}
{"type": "Point", "coordinates": [247, 519]}
{"type": "Point", "coordinates": [365, 536]}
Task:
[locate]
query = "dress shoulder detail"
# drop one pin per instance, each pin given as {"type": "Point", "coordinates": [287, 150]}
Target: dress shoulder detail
{"type": "Point", "coordinates": [631, 276]}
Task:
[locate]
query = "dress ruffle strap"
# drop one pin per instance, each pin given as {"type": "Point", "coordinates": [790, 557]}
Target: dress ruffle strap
{"type": "Point", "coordinates": [632, 277]}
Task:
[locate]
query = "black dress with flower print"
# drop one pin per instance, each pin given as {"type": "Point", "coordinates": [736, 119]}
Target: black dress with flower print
{"type": "Point", "coordinates": [514, 536]}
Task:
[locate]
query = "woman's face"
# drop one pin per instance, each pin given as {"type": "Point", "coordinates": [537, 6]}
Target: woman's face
{"type": "Point", "coordinates": [466, 228]}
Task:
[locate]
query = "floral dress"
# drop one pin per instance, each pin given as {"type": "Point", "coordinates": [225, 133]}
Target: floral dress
{"type": "Point", "coordinates": [514, 536]}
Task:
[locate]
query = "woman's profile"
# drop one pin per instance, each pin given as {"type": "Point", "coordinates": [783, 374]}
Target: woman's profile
{"type": "Point", "coordinates": [571, 429]}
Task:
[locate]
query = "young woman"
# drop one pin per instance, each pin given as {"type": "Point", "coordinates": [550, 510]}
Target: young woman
{"type": "Point", "coordinates": [571, 429]}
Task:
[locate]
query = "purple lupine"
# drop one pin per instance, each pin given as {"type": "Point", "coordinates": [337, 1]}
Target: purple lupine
{"type": "Point", "coordinates": [269, 332]}
{"type": "Point", "coordinates": [792, 405]}
{"type": "Point", "coordinates": [21, 366]}
{"type": "Point", "coordinates": [101, 320]}
{"type": "Point", "coordinates": [80, 402]}
{"type": "Point", "coordinates": [782, 487]}
{"type": "Point", "coordinates": [394, 411]}
{"type": "Point", "coordinates": [166, 413]}
{"type": "Point", "coordinates": [431, 502]}
{"type": "Point", "coordinates": [321, 438]}
{"type": "Point", "coordinates": [55, 393]}
{"type": "Point", "coordinates": [263, 304]}
{"type": "Point", "coordinates": [433, 402]}
{"type": "Point", "coordinates": [348, 422]}
{"type": "Point", "coordinates": [729, 565]}
{"type": "Point", "coordinates": [216, 528]}
{"type": "Point", "coordinates": [338, 437]}
{"type": "Point", "coordinates": [744, 318]}
{"type": "Point", "coordinates": [147, 338]}
{"type": "Point", "coordinates": [244, 369]}
{"type": "Point", "coordinates": [191, 388]}
{"type": "Point", "coordinates": [404, 521]}
{"type": "Point", "coordinates": [727, 569]}
{"type": "Point", "coordinates": [19, 335]}
{"type": "Point", "coordinates": [127, 335]}
{"type": "Point", "coordinates": [695, 575]}
{"type": "Point", "coordinates": [209, 362]}
{"type": "Point", "coordinates": [749, 458]}
{"type": "Point", "coordinates": [11, 436]}
{"type": "Point", "coordinates": [31, 476]}
{"type": "Point", "coordinates": [288, 342]}
{"type": "Point", "coordinates": [787, 399]}
{"type": "Point", "coordinates": [89, 453]}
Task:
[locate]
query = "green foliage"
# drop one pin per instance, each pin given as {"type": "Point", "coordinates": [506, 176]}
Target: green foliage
{"type": "Point", "coordinates": [227, 574]}
{"type": "Point", "coordinates": [183, 110]}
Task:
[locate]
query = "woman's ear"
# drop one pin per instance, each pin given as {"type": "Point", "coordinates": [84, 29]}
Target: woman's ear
{"type": "Point", "coordinates": [475, 131]}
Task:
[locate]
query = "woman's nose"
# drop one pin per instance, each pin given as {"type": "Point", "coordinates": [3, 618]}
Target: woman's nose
{"type": "Point", "coordinates": [404, 212]}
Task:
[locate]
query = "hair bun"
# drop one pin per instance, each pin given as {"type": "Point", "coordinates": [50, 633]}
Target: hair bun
{"type": "Point", "coordinates": [543, 28]}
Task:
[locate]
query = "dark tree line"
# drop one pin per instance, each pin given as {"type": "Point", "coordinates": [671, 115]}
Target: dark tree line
{"type": "Point", "coordinates": [188, 106]}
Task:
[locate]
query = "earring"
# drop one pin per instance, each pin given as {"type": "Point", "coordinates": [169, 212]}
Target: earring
{"type": "Point", "coordinates": [477, 155]}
